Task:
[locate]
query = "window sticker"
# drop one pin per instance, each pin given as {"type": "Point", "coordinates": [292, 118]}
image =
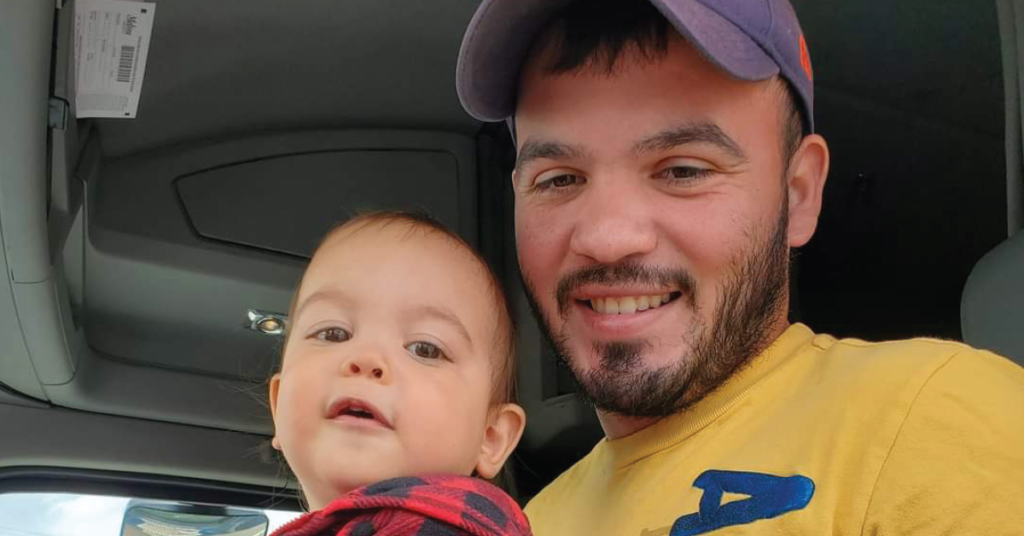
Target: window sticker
{"type": "Point", "coordinates": [111, 45]}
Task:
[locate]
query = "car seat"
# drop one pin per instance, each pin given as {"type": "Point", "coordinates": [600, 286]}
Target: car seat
{"type": "Point", "coordinates": [992, 306]}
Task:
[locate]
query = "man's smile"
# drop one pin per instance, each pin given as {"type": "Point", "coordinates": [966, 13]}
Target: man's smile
{"type": "Point", "coordinates": [627, 305]}
{"type": "Point", "coordinates": [616, 313]}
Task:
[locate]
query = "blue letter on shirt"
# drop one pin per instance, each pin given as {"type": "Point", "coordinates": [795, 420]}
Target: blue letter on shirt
{"type": "Point", "coordinates": [770, 496]}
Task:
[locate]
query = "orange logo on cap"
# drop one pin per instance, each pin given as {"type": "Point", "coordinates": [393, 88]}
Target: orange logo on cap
{"type": "Point", "coordinates": [805, 59]}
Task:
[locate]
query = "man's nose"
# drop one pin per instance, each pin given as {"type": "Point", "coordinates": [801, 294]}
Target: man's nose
{"type": "Point", "coordinates": [369, 364]}
{"type": "Point", "coordinates": [615, 223]}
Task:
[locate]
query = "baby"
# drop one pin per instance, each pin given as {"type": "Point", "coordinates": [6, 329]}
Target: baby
{"type": "Point", "coordinates": [396, 385]}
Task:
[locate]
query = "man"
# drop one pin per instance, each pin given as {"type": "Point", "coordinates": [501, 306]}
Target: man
{"type": "Point", "coordinates": [667, 164]}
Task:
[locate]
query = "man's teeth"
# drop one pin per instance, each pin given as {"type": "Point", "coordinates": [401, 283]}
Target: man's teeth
{"type": "Point", "coordinates": [628, 305]}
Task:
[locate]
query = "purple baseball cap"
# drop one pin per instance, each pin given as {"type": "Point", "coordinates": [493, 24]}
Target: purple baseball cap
{"type": "Point", "coordinates": [748, 39]}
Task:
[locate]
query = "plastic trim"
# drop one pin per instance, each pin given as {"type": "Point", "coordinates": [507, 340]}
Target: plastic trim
{"type": "Point", "coordinates": [24, 88]}
{"type": "Point", "coordinates": [1011, 27]}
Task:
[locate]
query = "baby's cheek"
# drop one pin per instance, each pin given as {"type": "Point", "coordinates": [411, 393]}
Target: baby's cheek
{"type": "Point", "coordinates": [296, 421]}
{"type": "Point", "coordinates": [448, 442]}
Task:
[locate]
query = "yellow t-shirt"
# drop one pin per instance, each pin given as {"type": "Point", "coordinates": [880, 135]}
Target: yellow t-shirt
{"type": "Point", "coordinates": [816, 436]}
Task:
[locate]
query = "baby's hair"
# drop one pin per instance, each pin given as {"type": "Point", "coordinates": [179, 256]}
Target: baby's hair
{"type": "Point", "coordinates": [503, 380]}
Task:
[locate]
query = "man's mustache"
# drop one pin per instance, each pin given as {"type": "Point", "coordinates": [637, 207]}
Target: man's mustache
{"type": "Point", "coordinates": [624, 274]}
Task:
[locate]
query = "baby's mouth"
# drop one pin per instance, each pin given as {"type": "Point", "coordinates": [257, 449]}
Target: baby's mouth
{"type": "Point", "coordinates": [354, 410]}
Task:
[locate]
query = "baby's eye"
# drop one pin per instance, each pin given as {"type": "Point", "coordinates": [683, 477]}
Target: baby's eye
{"type": "Point", "coordinates": [333, 334]}
{"type": "Point", "coordinates": [425, 350]}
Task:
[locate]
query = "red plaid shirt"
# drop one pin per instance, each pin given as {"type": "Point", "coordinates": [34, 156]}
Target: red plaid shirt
{"type": "Point", "coordinates": [416, 506]}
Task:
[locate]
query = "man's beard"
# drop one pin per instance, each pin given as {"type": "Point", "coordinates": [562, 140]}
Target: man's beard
{"type": "Point", "coordinates": [751, 304]}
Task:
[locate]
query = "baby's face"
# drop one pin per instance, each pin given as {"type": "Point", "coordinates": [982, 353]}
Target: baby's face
{"type": "Point", "coordinates": [387, 370]}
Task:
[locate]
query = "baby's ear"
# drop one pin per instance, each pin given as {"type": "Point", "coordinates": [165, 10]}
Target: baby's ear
{"type": "Point", "coordinates": [275, 385]}
{"type": "Point", "coordinates": [500, 439]}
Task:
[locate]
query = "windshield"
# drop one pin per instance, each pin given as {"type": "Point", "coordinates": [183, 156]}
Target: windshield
{"type": "Point", "coordinates": [65, 514]}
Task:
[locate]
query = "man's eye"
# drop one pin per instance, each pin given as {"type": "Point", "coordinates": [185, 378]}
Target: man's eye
{"type": "Point", "coordinates": [425, 350]}
{"type": "Point", "coordinates": [333, 334]}
{"type": "Point", "coordinates": [683, 173]}
{"type": "Point", "coordinates": [560, 181]}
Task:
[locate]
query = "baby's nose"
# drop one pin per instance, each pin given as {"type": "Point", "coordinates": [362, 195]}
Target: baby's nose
{"type": "Point", "coordinates": [372, 366]}
{"type": "Point", "coordinates": [376, 372]}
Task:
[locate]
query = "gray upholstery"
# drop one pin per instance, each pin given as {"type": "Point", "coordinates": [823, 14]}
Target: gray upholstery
{"type": "Point", "coordinates": [992, 309]}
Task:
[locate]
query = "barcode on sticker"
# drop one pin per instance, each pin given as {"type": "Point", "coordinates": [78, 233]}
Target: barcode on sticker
{"type": "Point", "coordinates": [124, 68]}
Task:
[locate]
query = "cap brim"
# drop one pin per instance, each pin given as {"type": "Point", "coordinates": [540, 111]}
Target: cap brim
{"type": "Point", "coordinates": [502, 31]}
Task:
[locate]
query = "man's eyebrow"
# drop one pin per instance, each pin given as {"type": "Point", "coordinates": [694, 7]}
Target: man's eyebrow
{"type": "Point", "coordinates": [330, 295]}
{"type": "Point", "coordinates": [444, 315]}
{"type": "Point", "coordinates": [536, 149]}
{"type": "Point", "coordinates": [700, 132]}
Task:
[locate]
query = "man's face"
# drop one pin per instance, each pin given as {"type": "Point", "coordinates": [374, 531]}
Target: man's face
{"type": "Point", "coordinates": [651, 224]}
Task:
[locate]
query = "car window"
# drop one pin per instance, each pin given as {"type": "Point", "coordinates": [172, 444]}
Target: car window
{"type": "Point", "coordinates": [68, 514]}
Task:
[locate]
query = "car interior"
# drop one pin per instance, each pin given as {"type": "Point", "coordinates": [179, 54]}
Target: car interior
{"type": "Point", "coordinates": [143, 255]}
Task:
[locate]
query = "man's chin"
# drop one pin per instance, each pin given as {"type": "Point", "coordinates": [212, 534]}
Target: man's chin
{"type": "Point", "coordinates": [624, 356]}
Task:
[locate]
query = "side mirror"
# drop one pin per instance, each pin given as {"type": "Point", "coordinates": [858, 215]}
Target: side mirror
{"type": "Point", "coordinates": [149, 518]}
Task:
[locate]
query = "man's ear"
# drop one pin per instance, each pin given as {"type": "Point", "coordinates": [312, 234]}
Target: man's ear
{"type": "Point", "coordinates": [806, 181]}
{"type": "Point", "coordinates": [500, 439]}
{"type": "Point", "coordinates": [275, 386]}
